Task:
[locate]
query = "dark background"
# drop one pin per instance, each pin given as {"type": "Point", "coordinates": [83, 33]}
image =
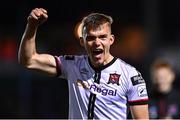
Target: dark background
{"type": "Point", "coordinates": [144, 30]}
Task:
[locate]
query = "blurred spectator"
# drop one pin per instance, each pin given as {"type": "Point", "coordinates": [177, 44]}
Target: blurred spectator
{"type": "Point", "coordinates": [8, 48]}
{"type": "Point", "coordinates": [164, 99]}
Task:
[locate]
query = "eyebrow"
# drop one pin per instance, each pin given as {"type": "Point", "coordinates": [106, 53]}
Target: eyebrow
{"type": "Point", "coordinates": [102, 36]}
{"type": "Point", "coordinates": [99, 36]}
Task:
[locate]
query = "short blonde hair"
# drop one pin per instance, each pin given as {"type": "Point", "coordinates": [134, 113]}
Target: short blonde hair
{"type": "Point", "coordinates": [94, 20]}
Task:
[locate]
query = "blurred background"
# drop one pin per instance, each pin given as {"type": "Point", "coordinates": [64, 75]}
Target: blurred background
{"type": "Point", "coordinates": [144, 30]}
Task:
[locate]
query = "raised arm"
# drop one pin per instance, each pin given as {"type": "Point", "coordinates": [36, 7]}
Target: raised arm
{"type": "Point", "coordinates": [27, 55]}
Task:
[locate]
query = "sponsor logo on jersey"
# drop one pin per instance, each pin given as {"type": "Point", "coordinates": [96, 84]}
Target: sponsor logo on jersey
{"type": "Point", "coordinates": [138, 79]}
{"type": "Point", "coordinates": [103, 91]}
{"type": "Point", "coordinates": [96, 88]}
{"type": "Point", "coordinates": [142, 91]}
{"type": "Point", "coordinates": [114, 78]}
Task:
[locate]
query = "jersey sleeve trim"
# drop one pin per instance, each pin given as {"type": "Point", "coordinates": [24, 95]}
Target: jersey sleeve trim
{"type": "Point", "coordinates": [138, 102]}
{"type": "Point", "coordinates": [58, 66]}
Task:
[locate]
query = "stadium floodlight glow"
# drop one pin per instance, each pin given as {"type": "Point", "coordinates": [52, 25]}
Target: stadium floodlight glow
{"type": "Point", "coordinates": [78, 30]}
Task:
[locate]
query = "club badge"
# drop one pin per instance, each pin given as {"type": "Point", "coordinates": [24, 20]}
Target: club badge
{"type": "Point", "coordinates": [114, 78]}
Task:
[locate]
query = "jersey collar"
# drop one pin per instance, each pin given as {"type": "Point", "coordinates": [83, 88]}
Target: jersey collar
{"type": "Point", "coordinates": [103, 66]}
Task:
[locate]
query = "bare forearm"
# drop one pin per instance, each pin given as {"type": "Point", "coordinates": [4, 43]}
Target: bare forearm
{"type": "Point", "coordinates": [27, 47]}
{"type": "Point", "coordinates": [140, 112]}
{"type": "Point", "coordinates": [28, 56]}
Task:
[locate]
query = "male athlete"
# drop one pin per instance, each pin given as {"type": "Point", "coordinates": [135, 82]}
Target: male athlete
{"type": "Point", "coordinates": [100, 85]}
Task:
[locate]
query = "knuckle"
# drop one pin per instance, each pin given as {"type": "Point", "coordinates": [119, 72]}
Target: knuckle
{"type": "Point", "coordinates": [33, 11]}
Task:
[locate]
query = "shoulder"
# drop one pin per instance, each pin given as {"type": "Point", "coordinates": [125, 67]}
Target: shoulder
{"type": "Point", "coordinates": [131, 72]}
{"type": "Point", "coordinates": [72, 58]}
{"type": "Point", "coordinates": [126, 67]}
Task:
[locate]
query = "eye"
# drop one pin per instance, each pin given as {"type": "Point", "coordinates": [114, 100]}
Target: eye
{"type": "Point", "coordinates": [103, 37]}
{"type": "Point", "coordinates": [90, 38]}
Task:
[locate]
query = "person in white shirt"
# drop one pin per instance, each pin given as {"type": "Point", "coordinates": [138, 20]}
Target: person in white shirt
{"type": "Point", "coordinates": [100, 85]}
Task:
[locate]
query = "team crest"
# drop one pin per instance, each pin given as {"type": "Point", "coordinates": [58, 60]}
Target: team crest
{"type": "Point", "coordinates": [114, 79]}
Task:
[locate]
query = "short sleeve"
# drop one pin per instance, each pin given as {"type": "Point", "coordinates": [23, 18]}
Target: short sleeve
{"type": "Point", "coordinates": [63, 63]}
{"type": "Point", "coordinates": [137, 91]}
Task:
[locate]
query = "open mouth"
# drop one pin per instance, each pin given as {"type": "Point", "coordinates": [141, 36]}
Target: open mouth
{"type": "Point", "coordinates": [97, 51]}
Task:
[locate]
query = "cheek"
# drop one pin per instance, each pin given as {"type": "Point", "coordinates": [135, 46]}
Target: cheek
{"type": "Point", "coordinates": [169, 79]}
{"type": "Point", "coordinates": [88, 46]}
{"type": "Point", "coordinates": [164, 80]}
{"type": "Point", "coordinates": [88, 43]}
{"type": "Point", "coordinates": [106, 46]}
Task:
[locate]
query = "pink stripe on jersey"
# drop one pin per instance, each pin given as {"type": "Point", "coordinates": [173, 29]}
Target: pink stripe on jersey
{"type": "Point", "coordinates": [141, 101]}
{"type": "Point", "coordinates": [58, 66]}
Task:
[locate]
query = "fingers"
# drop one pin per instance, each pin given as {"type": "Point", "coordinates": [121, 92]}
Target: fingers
{"type": "Point", "coordinates": [39, 15]}
{"type": "Point", "coordinates": [38, 12]}
{"type": "Point", "coordinates": [33, 15]}
{"type": "Point", "coordinates": [44, 13]}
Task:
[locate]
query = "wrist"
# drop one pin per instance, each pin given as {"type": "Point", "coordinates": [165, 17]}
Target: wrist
{"type": "Point", "coordinates": [32, 26]}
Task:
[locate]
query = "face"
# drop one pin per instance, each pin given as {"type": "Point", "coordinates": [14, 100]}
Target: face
{"type": "Point", "coordinates": [163, 79]}
{"type": "Point", "coordinates": [97, 44]}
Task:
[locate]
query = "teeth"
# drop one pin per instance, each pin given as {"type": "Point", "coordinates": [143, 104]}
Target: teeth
{"type": "Point", "coordinates": [97, 51]}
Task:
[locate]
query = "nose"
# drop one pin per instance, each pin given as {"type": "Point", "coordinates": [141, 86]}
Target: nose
{"type": "Point", "coordinates": [97, 41]}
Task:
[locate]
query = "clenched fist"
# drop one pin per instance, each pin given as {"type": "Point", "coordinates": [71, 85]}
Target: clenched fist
{"type": "Point", "coordinates": [37, 16]}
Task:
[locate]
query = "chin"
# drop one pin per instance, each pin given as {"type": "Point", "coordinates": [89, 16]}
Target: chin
{"type": "Point", "coordinates": [98, 63]}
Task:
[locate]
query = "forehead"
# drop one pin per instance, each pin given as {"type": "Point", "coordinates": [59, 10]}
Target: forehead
{"type": "Point", "coordinates": [163, 70]}
{"type": "Point", "coordinates": [102, 29]}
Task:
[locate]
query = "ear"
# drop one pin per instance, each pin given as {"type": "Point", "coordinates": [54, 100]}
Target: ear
{"type": "Point", "coordinates": [81, 41]}
{"type": "Point", "coordinates": [112, 39]}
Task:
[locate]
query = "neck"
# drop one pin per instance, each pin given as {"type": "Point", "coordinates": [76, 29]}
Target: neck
{"type": "Point", "coordinates": [107, 60]}
{"type": "Point", "coordinates": [166, 91]}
